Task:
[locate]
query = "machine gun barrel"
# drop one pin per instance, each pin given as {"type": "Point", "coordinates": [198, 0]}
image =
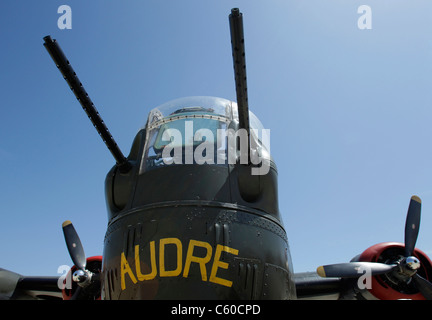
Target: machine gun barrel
{"type": "Point", "coordinates": [239, 60]}
{"type": "Point", "coordinates": [76, 86]}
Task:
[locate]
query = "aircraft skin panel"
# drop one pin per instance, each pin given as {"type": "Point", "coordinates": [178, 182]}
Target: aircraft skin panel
{"type": "Point", "coordinates": [192, 252]}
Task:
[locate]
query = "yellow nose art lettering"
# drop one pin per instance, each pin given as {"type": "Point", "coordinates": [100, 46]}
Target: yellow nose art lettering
{"type": "Point", "coordinates": [153, 272]}
{"type": "Point", "coordinates": [178, 270]}
{"type": "Point", "coordinates": [201, 261]}
{"type": "Point", "coordinates": [199, 252]}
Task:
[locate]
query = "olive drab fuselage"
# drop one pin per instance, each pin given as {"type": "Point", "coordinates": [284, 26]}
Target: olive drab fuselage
{"type": "Point", "coordinates": [193, 231]}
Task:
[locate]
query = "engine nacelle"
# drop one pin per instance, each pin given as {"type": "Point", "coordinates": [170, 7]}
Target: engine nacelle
{"type": "Point", "coordinates": [388, 286]}
{"type": "Point", "coordinates": [92, 292]}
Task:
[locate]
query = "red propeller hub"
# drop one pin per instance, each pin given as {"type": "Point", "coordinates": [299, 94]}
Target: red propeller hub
{"type": "Point", "coordinates": [94, 264]}
{"type": "Point", "coordinates": [387, 287]}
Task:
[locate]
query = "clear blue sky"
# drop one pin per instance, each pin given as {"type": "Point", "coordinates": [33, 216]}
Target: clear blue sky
{"type": "Point", "coordinates": [349, 110]}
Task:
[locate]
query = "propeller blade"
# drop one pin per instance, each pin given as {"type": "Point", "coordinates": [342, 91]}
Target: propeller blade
{"type": "Point", "coordinates": [424, 286]}
{"type": "Point", "coordinates": [412, 225]}
{"type": "Point", "coordinates": [353, 269]}
{"type": "Point", "coordinates": [75, 248]}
